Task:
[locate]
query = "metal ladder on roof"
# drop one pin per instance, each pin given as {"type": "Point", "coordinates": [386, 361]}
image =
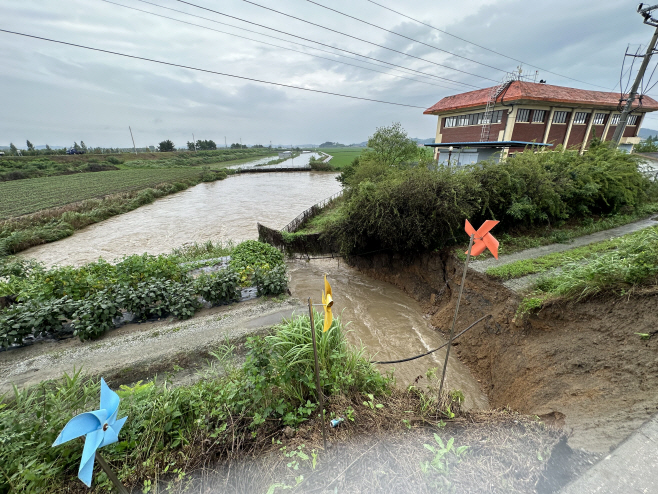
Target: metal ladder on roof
{"type": "Point", "coordinates": [491, 103]}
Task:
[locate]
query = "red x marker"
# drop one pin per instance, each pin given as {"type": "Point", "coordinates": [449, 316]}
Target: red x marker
{"type": "Point", "coordinates": [483, 239]}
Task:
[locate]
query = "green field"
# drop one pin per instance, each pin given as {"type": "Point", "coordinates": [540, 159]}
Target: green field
{"type": "Point", "coordinates": [342, 156]}
{"type": "Point", "coordinates": [19, 197]}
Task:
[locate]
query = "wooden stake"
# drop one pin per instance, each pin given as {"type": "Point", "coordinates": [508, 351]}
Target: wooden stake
{"type": "Point", "coordinates": [110, 474]}
{"type": "Point", "coordinates": [317, 374]}
{"type": "Point", "coordinates": [454, 319]}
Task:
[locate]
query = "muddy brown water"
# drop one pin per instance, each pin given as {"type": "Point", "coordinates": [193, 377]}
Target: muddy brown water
{"type": "Point", "coordinates": [388, 322]}
{"type": "Point", "coordinates": [224, 210]}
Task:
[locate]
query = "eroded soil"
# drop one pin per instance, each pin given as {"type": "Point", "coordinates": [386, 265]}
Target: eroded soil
{"type": "Point", "coordinates": [580, 366]}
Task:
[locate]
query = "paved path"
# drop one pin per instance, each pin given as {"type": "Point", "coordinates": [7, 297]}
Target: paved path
{"type": "Point", "coordinates": [485, 264]}
{"type": "Point", "coordinates": [631, 468]}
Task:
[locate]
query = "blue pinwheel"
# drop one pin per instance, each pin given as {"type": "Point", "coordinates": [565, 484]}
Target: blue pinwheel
{"type": "Point", "coordinates": [101, 428]}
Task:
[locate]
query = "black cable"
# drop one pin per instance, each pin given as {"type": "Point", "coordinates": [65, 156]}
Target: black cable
{"type": "Point", "coordinates": [480, 46]}
{"type": "Point", "coordinates": [364, 41]}
{"type": "Point", "coordinates": [209, 71]}
{"type": "Point", "coordinates": [270, 44]}
{"type": "Point", "coordinates": [406, 37]}
{"type": "Point", "coordinates": [431, 351]}
{"type": "Point", "coordinates": [324, 44]}
{"type": "Point", "coordinates": [429, 76]}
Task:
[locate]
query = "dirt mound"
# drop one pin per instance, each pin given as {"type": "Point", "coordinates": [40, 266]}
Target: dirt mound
{"type": "Point", "coordinates": [580, 366]}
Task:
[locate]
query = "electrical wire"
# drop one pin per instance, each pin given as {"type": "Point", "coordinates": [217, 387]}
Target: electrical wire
{"type": "Point", "coordinates": [406, 37]}
{"type": "Point", "coordinates": [480, 46]}
{"type": "Point", "coordinates": [363, 40]}
{"type": "Point", "coordinates": [431, 351]}
{"type": "Point", "coordinates": [401, 69]}
{"type": "Point", "coordinates": [272, 44]}
{"type": "Point", "coordinates": [171, 64]}
{"type": "Point", "coordinates": [324, 44]}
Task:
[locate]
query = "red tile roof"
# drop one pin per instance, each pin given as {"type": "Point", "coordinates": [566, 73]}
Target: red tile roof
{"type": "Point", "coordinates": [530, 91]}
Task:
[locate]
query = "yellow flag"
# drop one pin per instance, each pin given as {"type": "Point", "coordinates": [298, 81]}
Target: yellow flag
{"type": "Point", "coordinates": [327, 302]}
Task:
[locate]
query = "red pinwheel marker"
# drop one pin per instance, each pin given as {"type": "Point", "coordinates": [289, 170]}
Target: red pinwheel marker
{"type": "Point", "coordinates": [482, 240]}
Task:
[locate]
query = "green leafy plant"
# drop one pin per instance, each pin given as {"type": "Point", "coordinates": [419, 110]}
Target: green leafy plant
{"type": "Point", "coordinates": [222, 287]}
{"type": "Point", "coordinates": [444, 455]}
{"type": "Point", "coordinates": [370, 402]}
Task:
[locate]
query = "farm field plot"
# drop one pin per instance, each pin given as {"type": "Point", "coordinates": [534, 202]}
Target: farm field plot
{"type": "Point", "coordinates": [342, 156]}
{"type": "Point", "coordinates": [20, 197]}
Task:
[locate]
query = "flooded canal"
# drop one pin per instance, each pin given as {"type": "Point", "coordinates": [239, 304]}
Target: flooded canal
{"type": "Point", "coordinates": [385, 320]}
{"type": "Point", "coordinates": [224, 210]}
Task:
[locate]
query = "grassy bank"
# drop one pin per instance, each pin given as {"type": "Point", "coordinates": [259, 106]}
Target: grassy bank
{"type": "Point", "coordinates": [632, 264]}
{"type": "Point", "coordinates": [49, 225]}
{"type": "Point", "coordinates": [17, 168]}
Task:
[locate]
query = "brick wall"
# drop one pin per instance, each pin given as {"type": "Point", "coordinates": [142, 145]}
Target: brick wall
{"type": "Point", "coordinates": [556, 134]}
{"type": "Point", "coordinates": [528, 132]}
{"type": "Point", "coordinates": [470, 133]}
{"type": "Point", "coordinates": [577, 135]}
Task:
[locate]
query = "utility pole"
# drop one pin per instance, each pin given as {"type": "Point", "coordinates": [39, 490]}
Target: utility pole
{"type": "Point", "coordinates": [194, 142]}
{"type": "Point", "coordinates": [623, 119]}
{"type": "Point", "coordinates": [131, 136]}
{"type": "Point", "coordinates": [225, 145]}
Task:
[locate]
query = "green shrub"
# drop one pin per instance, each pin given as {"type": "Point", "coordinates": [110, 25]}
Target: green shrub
{"type": "Point", "coordinates": [95, 315]}
{"type": "Point", "coordinates": [159, 298]}
{"type": "Point", "coordinates": [251, 255]}
{"type": "Point", "coordinates": [271, 282]}
{"type": "Point", "coordinates": [219, 288]}
{"type": "Point", "coordinates": [33, 318]}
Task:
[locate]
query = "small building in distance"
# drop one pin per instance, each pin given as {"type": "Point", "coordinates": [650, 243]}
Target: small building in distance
{"type": "Point", "coordinates": [285, 154]}
{"type": "Point", "coordinates": [528, 113]}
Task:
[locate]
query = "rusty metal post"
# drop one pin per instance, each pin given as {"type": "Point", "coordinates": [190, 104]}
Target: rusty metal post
{"type": "Point", "coordinates": [110, 474]}
{"type": "Point", "coordinates": [454, 319]}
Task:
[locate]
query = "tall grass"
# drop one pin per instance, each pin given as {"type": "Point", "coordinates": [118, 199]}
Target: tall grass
{"type": "Point", "coordinates": [634, 262]}
{"type": "Point", "coordinates": [178, 429]}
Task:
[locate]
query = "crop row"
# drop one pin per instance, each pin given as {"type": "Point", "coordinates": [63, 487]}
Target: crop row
{"type": "Point", "coordinates": [21, 197]}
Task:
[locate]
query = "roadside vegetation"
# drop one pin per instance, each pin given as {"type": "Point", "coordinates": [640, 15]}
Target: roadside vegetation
{"type": "Point", "coordinates": [87, 300]}
{"type": "Point", "coordinates": [235, 409]}
{"type": "Point", "coordinates": [397, 199]}
{"type": "Point", "coordinates": [631, 265]}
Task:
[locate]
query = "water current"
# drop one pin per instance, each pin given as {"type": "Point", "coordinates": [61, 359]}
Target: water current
{"type": "Point", "coordinates": [385, 320]}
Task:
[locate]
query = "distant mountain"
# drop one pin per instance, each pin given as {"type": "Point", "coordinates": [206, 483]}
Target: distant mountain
{"type": "Point", "coordinates": [644, 133]}
{"type": "Point", "coordinates": [425, 141]}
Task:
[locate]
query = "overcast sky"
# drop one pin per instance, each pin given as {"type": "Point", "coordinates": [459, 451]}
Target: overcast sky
{"type": "Point", "coordinates": [58, 94]}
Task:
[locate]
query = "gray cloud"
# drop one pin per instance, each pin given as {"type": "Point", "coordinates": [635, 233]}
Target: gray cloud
{"type": "Point", "coordinates": [58, 94]}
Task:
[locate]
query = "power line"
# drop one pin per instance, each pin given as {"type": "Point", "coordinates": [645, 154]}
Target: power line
{"type": "Point", "coordinates": [270, 44]}
{"type": "Point", "coordinates": [423, 74]}
{"type": "Point", "coordinates": [171, 64]}
{"type": "Point", "coordinates": [406, 37]}
{"type": "Point", "coordinates": [480, 46]}
{"type": "Point", "coordinates": [364, 41]}
{"type": "Point", "coordinates": [324, 44]}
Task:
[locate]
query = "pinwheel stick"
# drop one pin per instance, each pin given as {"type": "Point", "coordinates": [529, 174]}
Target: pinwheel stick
{"type": "Point", "coordinates": [110, 474]}
{"type": "Point", "coordinates": [454, 319]}
{"type": "Point", "coordinates": [317, 374]}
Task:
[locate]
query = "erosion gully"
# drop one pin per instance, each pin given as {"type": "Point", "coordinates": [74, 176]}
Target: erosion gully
{"type": "Point", "coordinates": [386, 321]}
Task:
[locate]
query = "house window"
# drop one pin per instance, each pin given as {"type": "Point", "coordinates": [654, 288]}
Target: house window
{"type": "Point", "coordinates": [580, 117]}
{"type": "Point", "coordinates": [599, 119]}
{"type": "Point", "coordinates": [632, 119]}
{"type": "Point", "coordinates": [538, 116]}
{"type": "Point", "coordinates": [451, 122]}
{"type": "Point", "coordinates": [560, 117]}
{"type": "Point", "coordinates": [462, 120]}
{"type": "Point", "coordinates": [497, 116]}
{"type": "Point", "coordinates": [523, 116]}
{"type": "Point", "coordinates": [615, 119]}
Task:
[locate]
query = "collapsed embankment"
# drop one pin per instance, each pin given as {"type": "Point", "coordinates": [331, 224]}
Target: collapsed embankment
{"type": "Point", "coordinates": [578, 365]}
